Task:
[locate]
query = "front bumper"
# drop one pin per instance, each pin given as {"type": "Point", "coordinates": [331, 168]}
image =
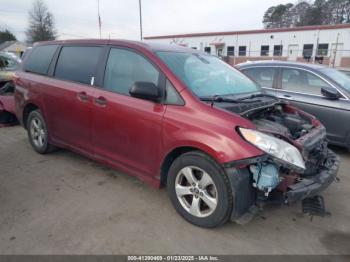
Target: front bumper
{"type": "Point", "coordinates": [313, 185]}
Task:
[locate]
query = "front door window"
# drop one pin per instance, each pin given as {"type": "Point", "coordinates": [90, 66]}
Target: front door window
{"type": "Point", "coordinates": [124, 68]}
{"type": "Point", "coordinates": [301, 81]}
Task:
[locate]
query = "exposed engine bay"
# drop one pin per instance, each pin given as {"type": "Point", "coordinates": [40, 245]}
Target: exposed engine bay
{"type": "Point", "coordinates": [277, 180]}
{"type": "Point", "coordinates": [290, 125]}
{"type": "Point", "coordinates": [277, 121]}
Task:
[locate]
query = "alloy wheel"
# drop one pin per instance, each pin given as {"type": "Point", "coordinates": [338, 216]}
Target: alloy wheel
{"type": "Point", "coordinates": [37, 132]}
{"type": "Point", "coordinates": [196, 191]}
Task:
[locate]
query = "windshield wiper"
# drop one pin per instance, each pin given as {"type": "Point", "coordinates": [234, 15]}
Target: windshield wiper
{"type": "Point", "coordinates": [257, 95]}
{"type": "Point", "coordinates": [221, 99]}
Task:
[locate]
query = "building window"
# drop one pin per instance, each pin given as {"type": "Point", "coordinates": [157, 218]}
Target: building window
{"type": "Point", "coordinates": [242, 51]}
{"type": "Point", "coordinates": [230, 51]}
{"type": "Point", "coordinates": [264, 50]}
{"type": "Point", "coordinates": [322, 49]}
{"type": "Point", "coordinates": [307, 50]}
{"type": "Point", "coordinates": [277, 50]}
{"type": "Point", "coordinates": [207, 49]}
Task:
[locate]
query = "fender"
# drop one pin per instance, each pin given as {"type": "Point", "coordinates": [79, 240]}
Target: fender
{"type": "Point", "coordinates": [24, 96]}
{"type": "Point", "coordinates": [212, 132]}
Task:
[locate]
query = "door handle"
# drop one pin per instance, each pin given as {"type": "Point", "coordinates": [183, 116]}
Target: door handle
{"type": "Point", "coordinates": [288, 96]}
{"type": "Point", "coordinates": [82, 96]}
{"type": "Point", "coordinates": [100, 101]}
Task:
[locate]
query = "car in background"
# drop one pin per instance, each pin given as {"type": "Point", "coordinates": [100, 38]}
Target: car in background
{"type": "Point", "coordinates": [9, 63]}
{"type": "Point", "coordinates": [345, 71]}
{"type": "Point", "coordinates": [321, 91]}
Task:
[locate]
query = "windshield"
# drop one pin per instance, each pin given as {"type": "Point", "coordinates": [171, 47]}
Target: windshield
{"type": "Point", "coordinates": [207, 75]}
{"type": "Point", "coordinates": [339, 77]}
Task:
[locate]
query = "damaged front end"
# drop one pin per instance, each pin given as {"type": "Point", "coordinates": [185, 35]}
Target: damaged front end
{"type": "Point", "coordinates": [297, 164]}
{"type": "Point", "coordinates": [7, 105]}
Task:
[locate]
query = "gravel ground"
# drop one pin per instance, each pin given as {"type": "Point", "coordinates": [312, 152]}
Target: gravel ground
{"type": "Point", "coordinates": [63, 203]}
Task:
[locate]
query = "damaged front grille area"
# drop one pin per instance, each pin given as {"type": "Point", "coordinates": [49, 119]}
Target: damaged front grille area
{"type": "Point", "coordinates": [299, 129]}
{"type": "Point", "coordinates": [275, 176]}
{"type": "Point", "coordinates": [315, 159]}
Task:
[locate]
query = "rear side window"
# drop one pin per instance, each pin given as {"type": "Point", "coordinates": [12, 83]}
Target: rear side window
{"type": "Point", "coordinates": [78, 63]}
{"type": "Point", "coordinates": [39, 59]}
{"type": "Point", "coordinates": [264, 76]}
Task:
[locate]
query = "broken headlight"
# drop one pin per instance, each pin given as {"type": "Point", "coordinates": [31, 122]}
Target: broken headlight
{"type": "Point", "coordinates": [275, 147]}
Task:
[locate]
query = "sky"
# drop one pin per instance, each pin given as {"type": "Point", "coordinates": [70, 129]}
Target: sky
{"type": "Point", "coordinates": [120, 18]}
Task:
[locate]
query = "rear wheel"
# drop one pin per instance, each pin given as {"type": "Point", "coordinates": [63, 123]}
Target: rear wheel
{"type": "Point", "coordinates": [38, 133]}
{"type": "Point", "coordinates": [199, 190]}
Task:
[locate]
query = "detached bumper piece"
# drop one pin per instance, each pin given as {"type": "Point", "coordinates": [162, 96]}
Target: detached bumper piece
{"type": "Point", "coordinates": [314, 206]}
{"type": "Point", "coordinates": [313, 185]}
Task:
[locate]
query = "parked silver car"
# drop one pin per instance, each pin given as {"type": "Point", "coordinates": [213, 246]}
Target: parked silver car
{"type": "Point", "coordinates": [322, 91]}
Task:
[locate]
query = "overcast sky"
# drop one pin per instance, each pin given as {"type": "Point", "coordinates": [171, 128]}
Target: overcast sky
{"type": "Point", "coordinates": [120, 18]}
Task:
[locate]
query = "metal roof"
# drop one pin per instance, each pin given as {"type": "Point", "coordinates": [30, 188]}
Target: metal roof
{"type": "Point", "coordinates": [258, 31]}
{"type": "Point", "coordinates": [279, 63]}
{"type": "Point", "coordinates": [126, 43]}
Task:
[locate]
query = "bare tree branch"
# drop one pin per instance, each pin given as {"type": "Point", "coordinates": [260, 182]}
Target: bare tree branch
{"type": "Point", "coordinates": [41, 23]}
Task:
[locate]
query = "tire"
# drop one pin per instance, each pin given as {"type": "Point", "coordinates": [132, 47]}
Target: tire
{"type": "Point", "coordinates": [208, 201]}
{"type": "Point", "coordinates": [38, 133]}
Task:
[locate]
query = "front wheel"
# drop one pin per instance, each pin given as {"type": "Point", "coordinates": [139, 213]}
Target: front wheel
{"type": "Point", "coordinates": [199, 190]}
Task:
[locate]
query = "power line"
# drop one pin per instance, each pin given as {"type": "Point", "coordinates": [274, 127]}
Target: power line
{"type": "Point", "coordinates": [109, 26]}
{"type": "Point", "coordinates": [66, 16]}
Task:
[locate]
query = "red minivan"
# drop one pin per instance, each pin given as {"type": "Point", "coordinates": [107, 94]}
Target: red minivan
{"type": "Point", "coordinates": [175, 117]}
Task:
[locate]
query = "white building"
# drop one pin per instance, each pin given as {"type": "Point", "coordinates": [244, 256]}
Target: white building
{"type": "Point", "coordinates": [15, 47]}
{"type": "Point", "coordinates": [327, 44]}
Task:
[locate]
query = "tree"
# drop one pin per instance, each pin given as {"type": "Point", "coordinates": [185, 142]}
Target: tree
{"type": "Point", "coordinates": [319, 12]}
{"type": "Point", "coordinates": [41, 23]}
{"type": "Point", "coordinates": [339, 11]}
{"type": "Point", "coordinates": [6, 35]}
{"type": "Point", "coordinates": [301, 13]}
{"type": "Point", "coordinates": [276, 16]}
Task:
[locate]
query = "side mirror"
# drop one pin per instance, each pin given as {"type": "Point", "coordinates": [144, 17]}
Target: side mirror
{"type": "Point", "coordinates": [330, 93]}
{"type": "Point", "coordinates": [146, 90]}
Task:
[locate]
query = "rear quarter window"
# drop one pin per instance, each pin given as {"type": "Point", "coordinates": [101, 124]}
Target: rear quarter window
{"type": "Point", "coordinates": [39, 59]}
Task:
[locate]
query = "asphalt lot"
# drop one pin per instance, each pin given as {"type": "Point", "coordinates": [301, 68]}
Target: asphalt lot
{"type": "Point", "coordinates": [64, 203]}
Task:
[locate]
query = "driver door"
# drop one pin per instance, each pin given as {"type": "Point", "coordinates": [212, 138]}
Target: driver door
{"type": "Point", "coordinates": [127, 130]}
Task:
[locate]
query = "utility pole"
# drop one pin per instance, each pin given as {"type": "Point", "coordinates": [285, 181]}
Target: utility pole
{"type": "Point", "coordinates": [99, 17]}
{"type": "Point", "coordinates": [335, 51]}
{"type": "Point", "coordinates": [140, 9]}
{"type": "Point", "coordinates": [316, 50]}
{"type": "Point", "coordinates": [235, 50]}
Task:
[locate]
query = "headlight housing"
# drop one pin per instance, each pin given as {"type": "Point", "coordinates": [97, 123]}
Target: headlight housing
{"type": "Point", "coordinates": [275, 147]}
